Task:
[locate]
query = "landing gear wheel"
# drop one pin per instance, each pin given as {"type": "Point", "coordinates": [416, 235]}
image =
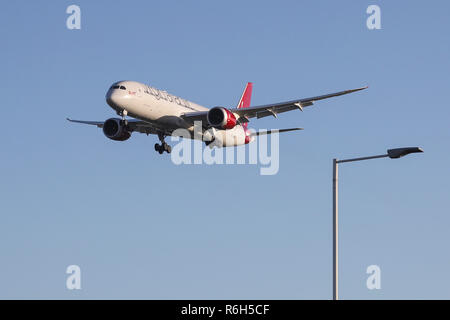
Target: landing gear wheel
{"type": "Point", "coordinates": [163, 146]}
{"type": "Point", "coordinates": [160, 148]}
{"type": "Point", "coordinates": [166, 147]}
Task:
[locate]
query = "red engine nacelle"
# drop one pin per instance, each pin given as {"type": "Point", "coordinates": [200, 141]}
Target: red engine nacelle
{"type": "Point", "coordinates": [115, 130]}
{"type": "Point", "coordinates": [222, 118]}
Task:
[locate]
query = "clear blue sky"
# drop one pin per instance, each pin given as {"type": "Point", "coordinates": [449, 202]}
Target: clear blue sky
{"type": "Point", "coordinates": [141, 227]}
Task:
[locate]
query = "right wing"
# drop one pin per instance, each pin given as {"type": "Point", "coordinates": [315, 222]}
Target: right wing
{"type": "Point", "coordinates": [275, 108]}
{"type": "Point", "coordinates": [268, 109]}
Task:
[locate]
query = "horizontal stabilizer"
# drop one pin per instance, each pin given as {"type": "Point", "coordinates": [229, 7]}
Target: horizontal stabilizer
{"type": "Point", "coordinates": [260, 133]}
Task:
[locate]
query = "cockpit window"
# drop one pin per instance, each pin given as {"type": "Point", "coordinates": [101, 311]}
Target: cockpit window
{"type": "Point", "coordinates": [118, 87]}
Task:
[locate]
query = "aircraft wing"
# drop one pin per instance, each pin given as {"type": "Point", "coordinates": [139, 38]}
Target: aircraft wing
{"type": "Point", "coordinates": [94, 123]}
{"type": "Point", "coordinates": [270, 109]}
{"type": "Point", "coordinates": [274, 109]}
{"type": "Point", "coordinates": [133, 125]}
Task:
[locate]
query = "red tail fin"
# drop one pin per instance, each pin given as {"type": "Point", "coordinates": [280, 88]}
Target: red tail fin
{"type": "Point", "coordinates": [244, 102]}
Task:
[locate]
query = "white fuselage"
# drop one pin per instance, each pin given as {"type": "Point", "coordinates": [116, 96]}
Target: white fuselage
{"type": "Point", "coordinates": [163, 110]}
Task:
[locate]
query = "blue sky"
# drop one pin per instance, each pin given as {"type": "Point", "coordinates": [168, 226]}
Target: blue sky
{"type": "Point", "coordinates": [141, 227]}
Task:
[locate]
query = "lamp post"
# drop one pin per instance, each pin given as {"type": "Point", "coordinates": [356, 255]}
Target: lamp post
{"type": "Point", "coordinates": [391, 153]}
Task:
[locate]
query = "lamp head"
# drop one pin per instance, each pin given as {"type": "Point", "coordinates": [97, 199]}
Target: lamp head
{"type": "Point", "coordinates": [401, 152]}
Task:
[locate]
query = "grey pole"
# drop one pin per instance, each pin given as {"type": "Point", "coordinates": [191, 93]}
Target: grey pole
{"type": "Point", "coordinates": [335, 229]}
{"type": "Point", "coordinates": [391, 153]}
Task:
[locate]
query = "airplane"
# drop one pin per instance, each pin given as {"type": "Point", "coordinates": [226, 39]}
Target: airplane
{"type": "Point", "coordinates": [161, 113]}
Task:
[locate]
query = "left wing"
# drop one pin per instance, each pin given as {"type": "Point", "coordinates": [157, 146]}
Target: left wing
{"type": "Point", "coordinates": [133, 125]}
{"type": "Point", "coordinates": [270, 109]}
{"type": "Point", "coordinates": [94, 123]}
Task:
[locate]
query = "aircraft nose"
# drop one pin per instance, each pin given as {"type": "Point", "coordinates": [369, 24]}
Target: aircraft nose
{"type": "Point", "coordinates": [114, 98]}
{"type": "Point", "coordinates": [108, 96]}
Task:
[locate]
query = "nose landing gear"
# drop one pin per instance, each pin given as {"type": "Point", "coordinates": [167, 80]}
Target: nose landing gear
{"type": "Point", "coordinates": [163, 146]}
{"type": "Point", "coordinates": [123, 114]}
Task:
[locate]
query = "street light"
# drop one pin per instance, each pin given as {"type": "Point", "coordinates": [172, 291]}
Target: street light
{"type": "Point", "coordinates": [391, 153]}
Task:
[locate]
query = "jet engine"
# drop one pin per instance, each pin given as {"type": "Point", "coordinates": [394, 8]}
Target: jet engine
{"type": "Point", "coordinates": [114, 129]}
{"type": "Point", "coordinates": [221, 118]}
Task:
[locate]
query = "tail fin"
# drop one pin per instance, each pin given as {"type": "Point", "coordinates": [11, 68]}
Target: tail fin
{"type": "Point", "coordinates": [244, 102]}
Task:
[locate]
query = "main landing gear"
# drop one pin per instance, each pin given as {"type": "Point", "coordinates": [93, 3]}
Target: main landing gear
{"type": "Point", "coordinates": [163, 146]}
